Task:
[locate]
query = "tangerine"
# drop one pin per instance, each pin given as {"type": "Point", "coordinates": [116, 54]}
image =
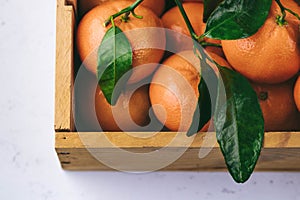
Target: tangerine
{"type": "Point", "coordinates": [278, 106]}
{"type": "Point", "coordinates": [157, 6]}
{"type": "Point", "coordinates": [272, 55]}
{"type": "Point", "coordinates": [173, 20]}
{"type": "Point", "coordinates": [115, 118]}
{"type": "Point", "coordinates": [174, 90]}
{"type": "Point", "coordinates": [147, 42]}
{"type": "Point", "coordinates": [297, 93]}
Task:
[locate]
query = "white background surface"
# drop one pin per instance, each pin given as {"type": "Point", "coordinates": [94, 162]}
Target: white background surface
{"type": "Point", "coordinates": [29, 167]}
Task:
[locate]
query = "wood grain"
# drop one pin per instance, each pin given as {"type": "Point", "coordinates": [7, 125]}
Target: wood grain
{"type": "Point", "coordinates": [64, 67]}
{"type": "Point", "coordinates": [76, 150]}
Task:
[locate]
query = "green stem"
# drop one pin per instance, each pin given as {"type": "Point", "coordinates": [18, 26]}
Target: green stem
{"type": "Point", "coordinates": [126, 11]}
{"type": "Point", "coordinates": [204, 44]}
{"type": "Point", "coordinates": [186, 19]}
{"type": "Point", "coordinates": [197, 48]}
{"type": "Point", "coordinates": [293, 13]}
{"type": "Point", "coordinates": [281, 19]}
{"type": "Point", "coordinates": [112, 21]}
{"type": "Point", "coordinates": [195, 37]}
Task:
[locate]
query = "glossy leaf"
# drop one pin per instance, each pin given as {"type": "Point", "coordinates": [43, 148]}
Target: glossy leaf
{"type": "Point", "coordinates": [239, 124]}
{"type": "Point", "coordinates": [114, 60]}
{"type": "Point", "coordinates": [203, 110]}
{"type": "Point", "coordinates": [234, 19]}
{"type": "Point", "coordinates": [209, 7]}
{"type": "Point", "coordinates": [207, 95]}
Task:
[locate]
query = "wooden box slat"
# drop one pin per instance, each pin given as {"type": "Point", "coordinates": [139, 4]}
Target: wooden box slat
{"type": "Point", "coordinates": [281, 150]}
{"type": "Point", "coordinates": [64, 71]}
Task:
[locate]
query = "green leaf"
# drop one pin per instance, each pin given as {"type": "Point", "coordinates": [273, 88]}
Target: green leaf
{"type": "Point", "coordinates": [114, 60]}
{"type": "Point", "coordinates": [208, 92]}
{"type": "Point", "coordinates": [239, 124]}
{"type": "Point", "coordinates": [209, 7]}
{"type": "Point", "coordinates": [169, 5]}
{"type": "Point", "coordinates": [203, 109]}
{"type": "Point", "coordinates": [235, 19]}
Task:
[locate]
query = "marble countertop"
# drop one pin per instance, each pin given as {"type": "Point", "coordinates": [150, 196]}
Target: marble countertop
{"type": "Point", "coordinates": [29, 166]}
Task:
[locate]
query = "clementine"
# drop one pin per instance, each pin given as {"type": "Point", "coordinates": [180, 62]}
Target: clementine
{"type": "Point", "coordinates": [114, 118]}
{"type": "Point", "coordinates": [272, 55]}
{"type": "Point", "coordinates": [297, 93]}
{"type": "Point", "coordinates": [173, 20]}
{"type": "Point", "coordinates": [278, 106]}
{"type": "Point", "coordinates": [157, 6]}
{"type": "Point", "coordinates": [147, 42]}
{"type": "Point", "coordinates": [174, 89]}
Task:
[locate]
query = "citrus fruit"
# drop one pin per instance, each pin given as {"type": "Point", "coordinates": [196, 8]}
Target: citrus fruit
{"type": "Point", "coordinates": [157, 6]}
{"type": "Point", "coordinates": [114, 118]}
{"type": "Point", "coordinates": [278, 106]}
{"type": "Point", "coordinates": [216, 50]}
{"type": "Point", "coordinates": [218, 59]}
{"type": "Point", "coordinates": [173, 20]}
{"type": "Point", "coordinates": [147, 42]}
{"type": "Point", "coordinates": [174, 90]}
{"type": "Point", "coordinates": [272, 55]}
{"type": "Point", "coordinates": [297, 93]}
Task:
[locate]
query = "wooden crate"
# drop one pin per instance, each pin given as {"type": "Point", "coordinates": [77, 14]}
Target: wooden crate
{"type": "Point", "coordinates": [281, 150]}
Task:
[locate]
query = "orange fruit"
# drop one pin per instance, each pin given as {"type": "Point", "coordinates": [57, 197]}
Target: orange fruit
{"type": "Point", "coordinates": [157, 6]}
{"type": "Point", "coordinates": [216, 50]}
{"type": "Point", "coordinates": [147, 44]}
{"type": "Point", "coordinates": [174, 90]}
{"type": "Point", "coordinates": [137, 104]}
{"type": "Point", "coordinates": [272, 55]}
{"type": "Point", "coordinates": [278, 106]}
{"type": "Point", "coordinates": [218, 59]}
{"type": "Point", "coordinates": [173, 20]}
{"type": "Point", "coordinates": [297, 93]}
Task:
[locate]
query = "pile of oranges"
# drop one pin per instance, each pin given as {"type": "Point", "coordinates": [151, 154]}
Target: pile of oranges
{"type": "Point", "coordinates": [269, 59]}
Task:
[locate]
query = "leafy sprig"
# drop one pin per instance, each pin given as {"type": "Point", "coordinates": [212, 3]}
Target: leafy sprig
{"type": "Point", "coordinates": [234, 105]}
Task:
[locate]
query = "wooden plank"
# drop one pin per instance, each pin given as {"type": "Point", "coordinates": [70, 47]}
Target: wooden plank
{"type": "Point", "coordinates": [132, 140]}
{"type": "Point", "coordinates": [74, 5]}
{"type": "Point", "coordinates": [270, 160]}
{"type": "Point", "coordinates": [282, 140]}
{"type": "Point", "coordinates": [64, 67]}
{"type": "Point", "coordinates": [73, 154]}
{"type": "Point", "coordinates": [84, 160]}
{"type": "Point", "coordinates": [161, 139]}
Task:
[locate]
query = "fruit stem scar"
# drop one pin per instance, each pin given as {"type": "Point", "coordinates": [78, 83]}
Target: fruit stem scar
{"type": "Point", "coordinates": [126, 11]}
{"type": "Point", "coordinates": [263, 96]}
